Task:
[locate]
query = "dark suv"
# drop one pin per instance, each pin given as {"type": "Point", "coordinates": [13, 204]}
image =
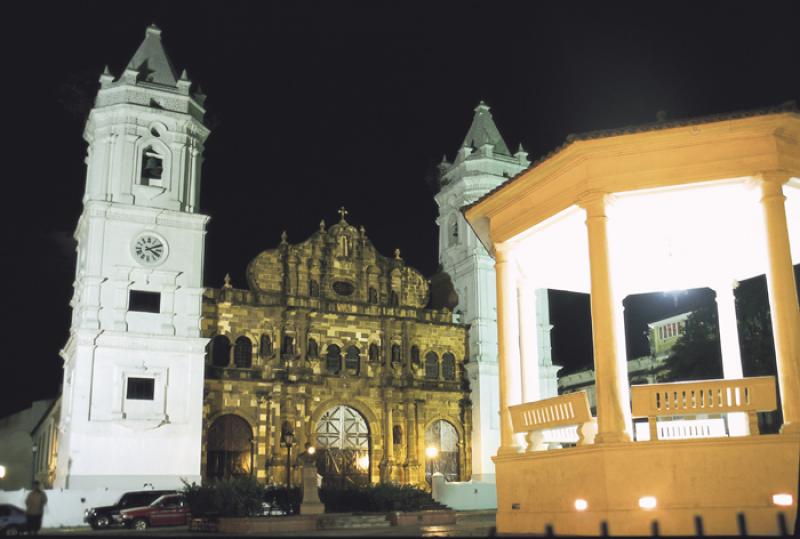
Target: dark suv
{"type": "Point", "coordinates": [103, 517]}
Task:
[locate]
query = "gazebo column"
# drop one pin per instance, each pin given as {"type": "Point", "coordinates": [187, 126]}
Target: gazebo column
{"type": "Point", "coordinates": [782, 298]}
{"type": "Point", "coordinates": [611, 376]}
{"type": "Point", "coordinates": [507, 346]}
{"type": "Point", "coordinates": [731, 355]}
{"type": "Point", "coordinates": [528, 343]}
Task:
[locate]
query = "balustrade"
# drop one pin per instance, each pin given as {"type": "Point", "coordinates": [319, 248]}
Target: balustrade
{"type": "Point", "coordinates": [548, 420]}
{"type": "Point", "coordinates": [749, 395]}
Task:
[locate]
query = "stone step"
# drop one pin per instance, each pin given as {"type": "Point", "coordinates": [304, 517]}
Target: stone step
{"type": "Point", "coordinates": [343, 520]}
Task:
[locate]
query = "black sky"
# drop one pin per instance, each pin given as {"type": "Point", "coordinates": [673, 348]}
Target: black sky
{"type": "Point", "coordinates": [314, 106]}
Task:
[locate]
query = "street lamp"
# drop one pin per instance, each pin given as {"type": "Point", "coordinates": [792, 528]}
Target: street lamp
{"type": "Point", "coordinates": [2, 471]}
{"type": "Point", "coordinates": [287, 440]}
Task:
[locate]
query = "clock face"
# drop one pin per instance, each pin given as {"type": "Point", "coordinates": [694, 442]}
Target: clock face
{"type": "Point", "coordinates": [149, 249]}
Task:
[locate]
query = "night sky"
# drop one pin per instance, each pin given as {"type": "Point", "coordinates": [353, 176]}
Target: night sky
{"type": "Point", "coordinates": [314, 107]}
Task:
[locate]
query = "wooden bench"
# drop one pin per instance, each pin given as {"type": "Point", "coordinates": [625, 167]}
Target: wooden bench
{"type": "Point", "coordinates": [571, 409]}
{"type": "Point", "coordinates": [748, 395]}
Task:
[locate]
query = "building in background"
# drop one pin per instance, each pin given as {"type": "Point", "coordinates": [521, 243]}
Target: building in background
{"type": "Point", "coordinates": [662, 336]}
{"type": "Point", "coordinates": [483, 163]}
{"type": "Point", "coordinates": [17, 443]}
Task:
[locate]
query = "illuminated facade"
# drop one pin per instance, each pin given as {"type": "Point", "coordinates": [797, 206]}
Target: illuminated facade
{"type": "Point", "coordinates": [131, 404]}
{"type": "Point", "coordinates": [332, 342]}
{"type": "Point", "coordinates": [584, 219]}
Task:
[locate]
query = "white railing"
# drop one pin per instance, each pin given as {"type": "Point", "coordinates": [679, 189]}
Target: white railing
{"type": "Point", "coordinates": [547, 420]}
{"type": "Point", "coordinates": [683, 429]}
{"type": "Point", "coordinates": [748, 395]}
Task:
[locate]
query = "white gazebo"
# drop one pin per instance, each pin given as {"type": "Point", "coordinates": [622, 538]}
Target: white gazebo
{"type": "Point", "coordinates": [666, 206]}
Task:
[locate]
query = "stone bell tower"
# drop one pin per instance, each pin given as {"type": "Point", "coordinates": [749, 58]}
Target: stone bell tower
{"type": "Point", "coordinates": [483, 163]}
{"type": "Point", "coordinates": [133, 364]}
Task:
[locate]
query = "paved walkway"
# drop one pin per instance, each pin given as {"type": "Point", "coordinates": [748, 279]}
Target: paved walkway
{"type": "Point", "coordinates": [468, 524]}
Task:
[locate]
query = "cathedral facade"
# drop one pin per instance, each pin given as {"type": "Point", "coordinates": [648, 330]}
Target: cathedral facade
{"type": "Point", "coordinates": [331, 344]}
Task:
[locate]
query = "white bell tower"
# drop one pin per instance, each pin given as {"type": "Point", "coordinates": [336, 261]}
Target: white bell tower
{"type": "Point", "coordinates": [133, 365]}
{"type": "Point", "coordinates": [482, 163]}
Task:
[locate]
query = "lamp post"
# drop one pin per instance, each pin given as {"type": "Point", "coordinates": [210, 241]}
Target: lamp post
{"type": "Point", "coordinates": [287, 438]}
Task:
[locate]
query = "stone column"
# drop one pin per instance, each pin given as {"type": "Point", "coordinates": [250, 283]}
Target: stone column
{"type": "Point", "coordinates": [731, 355]}
{"type": "Point", "coordinates": [611, 377]}
{"type": "Point", "coordinates": [388, 452]}
{"type": "Point", "coordinates": [782, 298]}
{"type": "Point", "coordinates": [528, 344]}
{"type": "Point", "coordinates": [507, 347]}
{"type": "Point", "coordinates": [411, 442]}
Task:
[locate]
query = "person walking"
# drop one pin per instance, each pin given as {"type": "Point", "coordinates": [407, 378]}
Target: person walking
{"type": "Point", "coordinates": [34, 508]}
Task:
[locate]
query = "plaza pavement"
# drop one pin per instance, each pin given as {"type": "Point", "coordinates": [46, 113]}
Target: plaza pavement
{"type": "Point", "coordinates": [468, 524]}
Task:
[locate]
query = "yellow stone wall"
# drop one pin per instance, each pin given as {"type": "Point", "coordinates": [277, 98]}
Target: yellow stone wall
{"type": "Point", "coordinates": [292, 385]}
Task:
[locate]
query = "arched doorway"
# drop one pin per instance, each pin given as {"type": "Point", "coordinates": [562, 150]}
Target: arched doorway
{"type": "Point", "coordinates": [229, 449]}
{"type": "Point", "coordinates": [344, 449]}
{"type": "Point", "coordinates": [441, 450]}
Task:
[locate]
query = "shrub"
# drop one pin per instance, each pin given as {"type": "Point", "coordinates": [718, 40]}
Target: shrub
{"type": "Point", "coordinates": [285, 501]}
{"type": "Point", "coordinates": [383, 497]}
{"type": "Point", "coordinates": [233, 497]}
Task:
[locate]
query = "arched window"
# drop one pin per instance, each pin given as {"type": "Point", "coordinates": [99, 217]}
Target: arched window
{"type": "Point", "coordinates": [313, 288]}
{"type": "Point", "coordinates": [352, 360]}
{"type": "Point", "coordinates": [431, 366]}
{"type": "Point", "coordinates": [448, 366]}
{"type": "Point", "coordinates": [287, 347]}
{"type": "Point", "coordinates": [394, 301]}
{"type": "Point", "coordinates": [415, 356]}
{"type": "Point", "coordinates": [243, 353]}
{"type": "Point", "coordinates": [229, 447]}
{"type": "Point", "coordinates": [313, 349]}
{"type": "Point", "coordinates": [373, 295]}
{"type": "Point", "coordinates": [334, 359]}
{"type": "Point", "coordinates": [396, 359]}
{"type": "Point", "coordinates": [442, 436]}
{"type": "Point", "coordinates": [453, 231]}
{"type": "Point", "coordinates": [374, 353]}
{"type": "Point", "coordinates": [152, 167]}
{"type": "Point", "coordinates": [220, 351]}
{"type": "Point", "coordinates": [345, 245]}
{"type": "Point", "coordinates": [265, 349]}
{"type": "Point", "coordinates": [397, 435]}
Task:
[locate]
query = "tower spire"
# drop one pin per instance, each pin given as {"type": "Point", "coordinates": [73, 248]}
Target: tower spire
{"type": "Point", "coordinates": [151, 61]}
{"type": "Point", "coordinates": [484, 131]}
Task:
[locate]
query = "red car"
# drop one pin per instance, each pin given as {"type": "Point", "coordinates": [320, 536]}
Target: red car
{"type": "Point", "coordinates": [168, 510]}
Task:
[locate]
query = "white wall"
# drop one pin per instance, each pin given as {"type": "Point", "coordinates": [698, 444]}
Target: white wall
{"type": "Point", "coordinates": [64, 507]}
{"type": "Point", "coordinates": [464, 495]}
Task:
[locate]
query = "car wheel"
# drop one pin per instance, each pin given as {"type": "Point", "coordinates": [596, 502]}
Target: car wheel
{"type": "Point", "coordinates": [139, 524]}
{"type": "Point", "coordinates": [11, 530]}
{"type": "Point", "coordinates": [101, 522]}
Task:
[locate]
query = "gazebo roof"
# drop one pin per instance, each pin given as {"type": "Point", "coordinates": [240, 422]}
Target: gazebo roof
{"type": "Point", "coordinates": [660, 154]}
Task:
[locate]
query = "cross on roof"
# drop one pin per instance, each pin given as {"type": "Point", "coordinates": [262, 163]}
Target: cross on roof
{"type": "Point", "coordinates": [343, 212]}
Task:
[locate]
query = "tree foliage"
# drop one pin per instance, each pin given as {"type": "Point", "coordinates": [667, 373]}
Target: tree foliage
{"type": "Point", "coordinates": [696, 355]}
